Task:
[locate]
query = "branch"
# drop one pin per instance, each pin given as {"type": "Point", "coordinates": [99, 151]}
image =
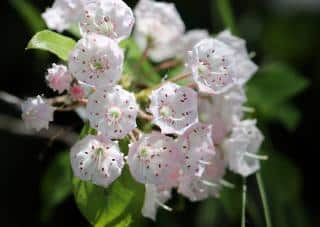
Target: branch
{"type": "Point", "coordinates": [17, 126]}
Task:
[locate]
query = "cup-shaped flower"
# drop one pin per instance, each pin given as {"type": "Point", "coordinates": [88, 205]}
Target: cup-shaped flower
{"type": "Point", "coordinates": [155, 159]}
{"type": "Point", "coordinates": [63, 14]}
{"type": "Point", "coordinates": [59, 78]}
{"type": "Point", "coordinates": [242, 146]}
{"type": "Point", "coordinates": [158, 26]}
{"type": "Point", "coordinates": [36, 113]}
{"type": "Point", "coordinates": [112, 111]}
{"type": "Point", "coordinates": [212, 65]}
{"type": "Point", "coordinates": [197, 147]}
{"type": "Point", "coordinates": [97, 160]}
{"type": "Point", "coordinates": [189, 40]}
{"type": "Point", "coordinates": [154, 198]}
{"type": "Point", "coordinates": [112, 18]}
{"type": "Point", "coordinates": [209, 184]}
{"type": "Point", "coordinates": [96, 60]}
{"type": "Point", "coordinates": [174, 108]}
{"type": "Point", "coordinates": [245, 67]}
{"type": "Point", "coordinates": [222, 110]}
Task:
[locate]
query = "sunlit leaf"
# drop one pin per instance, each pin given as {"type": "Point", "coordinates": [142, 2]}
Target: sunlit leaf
{"type": "Point", "coordinates": [53, 42]}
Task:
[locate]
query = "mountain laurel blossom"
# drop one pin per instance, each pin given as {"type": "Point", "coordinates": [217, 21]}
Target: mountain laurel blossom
{"type": "Point", "coordinates": [36, 113]}
{"type": "Point", "coordinates": [63, 14]}
{"type": "Point", "coordinates": [159, 27]}
{"type": "Point", "coordinates": [242, 146]}
{"type": "Point", "coordinates": [174, 108]}
{"type": "Point", "coordinates": [155, 159]}
{"type": "Point", "coordinates": [97, 160]}
{"type": "Point", "coordinates": [212, 66]}
{"type": "Point", "coordinates": [97, 60]}
{"type": "Point", "coordinates": [198, 188]}
{"type": "Point", "coordinates": [58, 78]}
{"type": "Point", "coordinates": [222, 110]}
{"type": "Point", "coordinates": [112, 18]}
{"type": "Point", "coordinates": [112, 112]}
{"type": "Point", "coordinates": [154, 197]}
{"type": "Point", "coordinates": [183, 133]}
{"type": "Point", "coordinates": [196, 144]}
{"type": "Point", "coordinates": [245, 67]}
{"type": "Point", "coordinates": [188, 40]}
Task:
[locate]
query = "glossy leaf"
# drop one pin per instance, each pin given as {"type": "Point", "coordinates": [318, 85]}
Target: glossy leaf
{"type": "Point", "coordinates": [53, 42]}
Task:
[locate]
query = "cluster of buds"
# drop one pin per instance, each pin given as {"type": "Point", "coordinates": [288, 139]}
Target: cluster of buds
{"type": "Point", "coordinates": [198, 128]}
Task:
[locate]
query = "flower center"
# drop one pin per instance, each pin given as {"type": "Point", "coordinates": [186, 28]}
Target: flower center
{"type": "Point", "coordinates": [114, 113]}
{"type": "Point", "coordinates": [165, 111]}
{"type": "Point", "coordinates": [99, 152]}
{"type": "Point", "coordinates": [203, 68]}
{"type": "Point", "coordinates": [96, 66]}
{"type": "Point", "coordinates": [108, 25]}
{"type": "Point", "coordinates": [144, 152]}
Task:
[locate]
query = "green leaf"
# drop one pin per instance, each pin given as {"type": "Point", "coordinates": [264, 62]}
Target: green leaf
{"type": "Point", "coordinates": [30, 15]}
{"type": "Point", "coordinates": [271, 90]}
{"type": "Point", "coordinates": [117, 204]}
{"type": "Point", "coordinates": [53, 42]}
{"type": "Point", "coordinates": [289, 115]}
{"type": "Point", "coordinates": [56, 184]}
{"type": "Point", "coordinates": [275, 83]}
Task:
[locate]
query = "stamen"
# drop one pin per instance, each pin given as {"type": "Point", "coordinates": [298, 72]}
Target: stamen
{"type": "Point", "coordinates": [208, 183]}
{"type": "Point", "coordinates": [164, 206]}
{"type": "Point", "coordinates": [204, 162]}
{"type": "Point", "coordinates": [255, 156]}
{"type": "Point", "coordinates": [226, 184]}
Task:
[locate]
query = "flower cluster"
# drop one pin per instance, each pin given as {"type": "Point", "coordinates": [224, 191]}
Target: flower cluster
{"type": "Point", "coordinates": [199, 128]}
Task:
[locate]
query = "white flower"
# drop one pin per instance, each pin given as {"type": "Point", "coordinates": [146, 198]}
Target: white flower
{"type": "Point", "coordinates": [189, 40]}
{"type": "Point", "coordinates": [63, 14]}
{"type": "Point", "coordinates": [209, 184]}
{"type": "Point", "coordinates": [58, 78]}
{"type": "Point", "coordinates": [174, 108]}
{"type": "Point", "coordinates": [153, 198]}
{"type": "Point", "coordinates": [245, 68]}
{"type": "Point", "coordinates": [197, 147]}
{"type": "Point", "coordinates": [242, 146]}
{"type": "Point", "coordinates": [97, 160]}
{"type": "Point", "coordinates": [36, 113]}
{"type": "Point", "coordinates": [112, 18]}
{"type": "Point", "coordinates": [112, 111]}
{"type": "Point", "coordinates": [96, 60]}
{"type": "Point", "coordinates": [155, 159]}
{"type": "Point", "coordinates": [221, 111]}
{"type": "Point", "coordinates": [212, 66]}
{"type": "Point", "coordinates": [160, 23]}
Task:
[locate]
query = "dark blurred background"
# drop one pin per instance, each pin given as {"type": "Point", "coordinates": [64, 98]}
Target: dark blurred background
{"type": "Point", "coordinates": [285, 31]}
